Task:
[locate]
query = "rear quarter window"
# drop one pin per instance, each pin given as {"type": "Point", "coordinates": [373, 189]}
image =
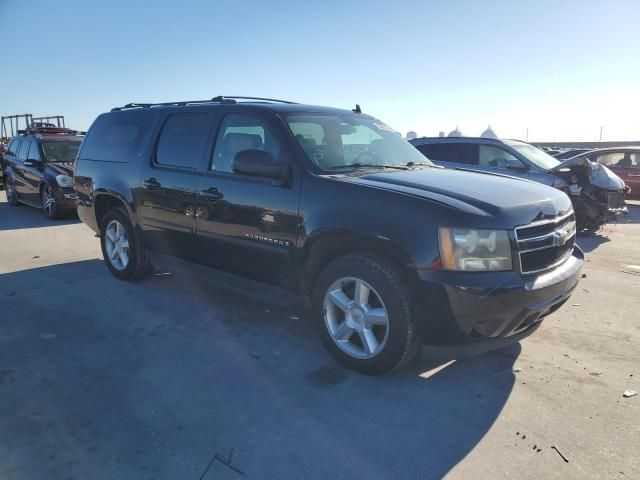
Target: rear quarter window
{"type": "Point", "coordinates": [118, 137]}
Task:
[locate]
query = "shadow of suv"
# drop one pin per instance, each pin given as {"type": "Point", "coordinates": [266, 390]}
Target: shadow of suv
{"type": "Point", "coordinates": [388, 250]}
{"type": "Point", "coordinates": [37, 169]}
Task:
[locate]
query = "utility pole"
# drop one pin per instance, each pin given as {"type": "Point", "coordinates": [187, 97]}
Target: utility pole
{"type": "Point", "coordinates": [527, 134]}
{"type": "Point", "coordinates": [600, 134]}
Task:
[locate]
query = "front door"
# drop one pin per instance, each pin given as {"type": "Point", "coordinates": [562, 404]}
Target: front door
{"type": "Point", "coordinates": [33, 174]}
{"type": "Point", "coordinates": [166, 198]}
{"type": "Point", "coordinates": [247, 225]}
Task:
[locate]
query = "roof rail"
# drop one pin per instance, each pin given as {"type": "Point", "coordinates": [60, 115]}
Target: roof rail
{"type": "Point", "coordinates": [223, 99]}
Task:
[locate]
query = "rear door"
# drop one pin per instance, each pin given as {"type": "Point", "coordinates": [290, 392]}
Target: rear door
{"type": "Point", "coordinates": [167, 197]}
{"type": "Point", "coordinates": [10, 159]}
{"type": "Point", "coordinates": [20, 184]}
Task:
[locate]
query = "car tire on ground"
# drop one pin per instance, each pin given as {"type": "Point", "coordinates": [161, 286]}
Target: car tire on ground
{"type": "Point", "coordinates": [364, 316]}
{"type": "Point", "coordinates": [123, 252]}
{"type": "Point", "coordinates": [12, 199]}
{"type": "Point", "coordinates": [50, 207]}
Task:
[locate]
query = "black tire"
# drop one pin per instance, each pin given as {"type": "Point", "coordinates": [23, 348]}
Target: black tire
{"type": "Point", "coordinates": [138, 265]}
{"type": "Point", "coordinates": [12, 199]}
{"type": "Point", "coordinates": [403, 341]}
{"type": "Point", "coordinates": [53, 211]}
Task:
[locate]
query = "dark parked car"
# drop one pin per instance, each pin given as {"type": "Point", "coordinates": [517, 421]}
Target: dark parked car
{"type": "Point", "coordinates": [37, 169]}
{"type": "Point", "coordinates": [623, 161]}
{"type": "Point", "coordinates": [598, 194]}
{"type": "Point", "coordinates": [388, 250]}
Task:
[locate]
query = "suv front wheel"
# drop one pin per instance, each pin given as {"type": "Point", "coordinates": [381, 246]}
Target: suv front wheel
{"type": "Point", "coordinates": [363, 314]}
{"type": "Point", "coordinates": [123, 252]}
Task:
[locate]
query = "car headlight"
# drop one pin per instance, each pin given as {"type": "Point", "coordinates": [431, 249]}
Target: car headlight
{"type": "Point", "coordinates": [473, 250]}
{"type": "Point", "coordinates": [64, 180]}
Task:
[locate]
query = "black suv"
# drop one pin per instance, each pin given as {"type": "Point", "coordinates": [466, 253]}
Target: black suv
{"type": "Point", "coordinates": [387, 249]}
{"type": "Point", "coordinates": [37, 169]}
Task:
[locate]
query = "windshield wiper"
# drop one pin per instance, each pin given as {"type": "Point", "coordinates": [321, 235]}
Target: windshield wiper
{"type": "Point", "coordinates": [368, 165]}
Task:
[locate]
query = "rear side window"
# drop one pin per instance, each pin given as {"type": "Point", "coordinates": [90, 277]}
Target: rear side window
{"type": "Point", "coordinates": [117, 137]}
{"type": "Point", "coordinates": [182, 140]}
{"type": "Point", "coordinates": [22, 151]}
{"type": "Point", "coordinates": [462, 153]}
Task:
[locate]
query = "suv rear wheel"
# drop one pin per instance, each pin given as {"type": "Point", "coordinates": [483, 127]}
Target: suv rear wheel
{"type": "Point", "coordinates": [123, 252]}
{"type": "Point", "coordinates": [12, 199]}
{"type": "Point", "coordinates": [363, 314]}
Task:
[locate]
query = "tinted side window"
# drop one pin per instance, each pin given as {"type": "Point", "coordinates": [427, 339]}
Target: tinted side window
{"type": "Point", "coordinates": [182, 139]}
{"type": "Point", "coordinates": [490, 156]}
{"type": "Point", "coordinates": [463, 153]}
{"type": "Point", "coordinates": [620, 159]}
{"type": "Point", "coordinates": [13, 147]}
{"type": "Point", "coordinates": [22, 151]}
{"type": "Point", "coordinates": [117, 137]}
{"type": "Point", "coordinates": [34, 151]}
{"type": "Point", "coordinates": [241, 132]}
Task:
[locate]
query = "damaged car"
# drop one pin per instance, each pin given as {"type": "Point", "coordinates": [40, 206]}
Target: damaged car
{"type": "Point", "coordinates": [597, 193]}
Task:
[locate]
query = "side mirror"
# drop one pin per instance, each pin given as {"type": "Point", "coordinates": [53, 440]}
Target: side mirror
{"type": "Point", "coordinates": [258, 163]}
{"type": "Point", "coordinates": [32, 163]}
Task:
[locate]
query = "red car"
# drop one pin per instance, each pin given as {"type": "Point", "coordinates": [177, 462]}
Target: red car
{"type": "Point", "coordinates": [624, 162]}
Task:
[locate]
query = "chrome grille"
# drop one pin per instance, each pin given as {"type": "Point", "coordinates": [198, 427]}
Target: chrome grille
{"type": "Point", "coordinates": [546, 244]}
{"type": "Point", "coordinates": [615, 200]}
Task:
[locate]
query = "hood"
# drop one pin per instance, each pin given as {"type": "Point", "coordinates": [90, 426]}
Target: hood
{"type": "Point", "coordinates": [66, 168]}
{"type": "Point", "coordinates": [599, 175]}
{"type": "Point", "coordinates": [515, 201]}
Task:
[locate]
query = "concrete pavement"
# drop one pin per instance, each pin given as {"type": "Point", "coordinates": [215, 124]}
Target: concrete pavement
{"type": "Point", "coordinates": [187, 375]}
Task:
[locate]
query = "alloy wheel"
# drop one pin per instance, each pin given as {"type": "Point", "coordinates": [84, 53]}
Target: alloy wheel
{"type": "Point", "coordinates": [48, 200]}
{"type": "Point", "coordinates": [116, 244]}
{"type": "Point", "coordinates": [356, 317]}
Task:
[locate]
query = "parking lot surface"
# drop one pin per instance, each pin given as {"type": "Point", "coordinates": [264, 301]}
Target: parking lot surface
{"type": "Point", "coordinates": [192, 374]}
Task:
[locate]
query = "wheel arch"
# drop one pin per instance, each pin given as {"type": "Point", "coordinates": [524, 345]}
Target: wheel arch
{"type": "Point", "coordinates": [323, 247]}
{"type": "Point", "coordinates": [105, 201]}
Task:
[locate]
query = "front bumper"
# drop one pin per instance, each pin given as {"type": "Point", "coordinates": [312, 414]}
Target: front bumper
{"type": "Point", "coordinates": [66, 198]}
{"type": "Point", "coordinates": [461, 307]}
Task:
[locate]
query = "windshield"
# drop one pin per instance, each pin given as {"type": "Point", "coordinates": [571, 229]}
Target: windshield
{"type": "Point", "coordinates": [534, 155]}
{"type": "Point", "coordinates": [60, 151]}
{"type": "Point", "coordinates": [349, 141]}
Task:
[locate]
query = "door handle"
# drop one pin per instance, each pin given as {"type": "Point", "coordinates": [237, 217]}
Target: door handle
{"type": "Point", "coordinates": [151, 183]}
{"type": "Point", "coordinates": [212, 194]}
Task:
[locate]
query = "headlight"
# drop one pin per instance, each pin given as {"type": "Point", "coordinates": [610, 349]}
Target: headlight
{"type": "Point", "coordinates": [474, 250]}
{"type": "Point", "coordinates": [64, 180]}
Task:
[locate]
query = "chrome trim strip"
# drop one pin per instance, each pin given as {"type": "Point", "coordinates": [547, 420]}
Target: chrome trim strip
{"type": "Point", "coordinates": [544, 222]}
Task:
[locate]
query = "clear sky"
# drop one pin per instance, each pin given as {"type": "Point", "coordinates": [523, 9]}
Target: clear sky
{"type": "Point", "coordinates": [562, 69]}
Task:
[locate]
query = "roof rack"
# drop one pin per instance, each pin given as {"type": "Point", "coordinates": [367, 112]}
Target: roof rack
{"type": "Point", "coordinates": [52, 130]}
{"type": "Point", "coordinates": [222, 99]}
